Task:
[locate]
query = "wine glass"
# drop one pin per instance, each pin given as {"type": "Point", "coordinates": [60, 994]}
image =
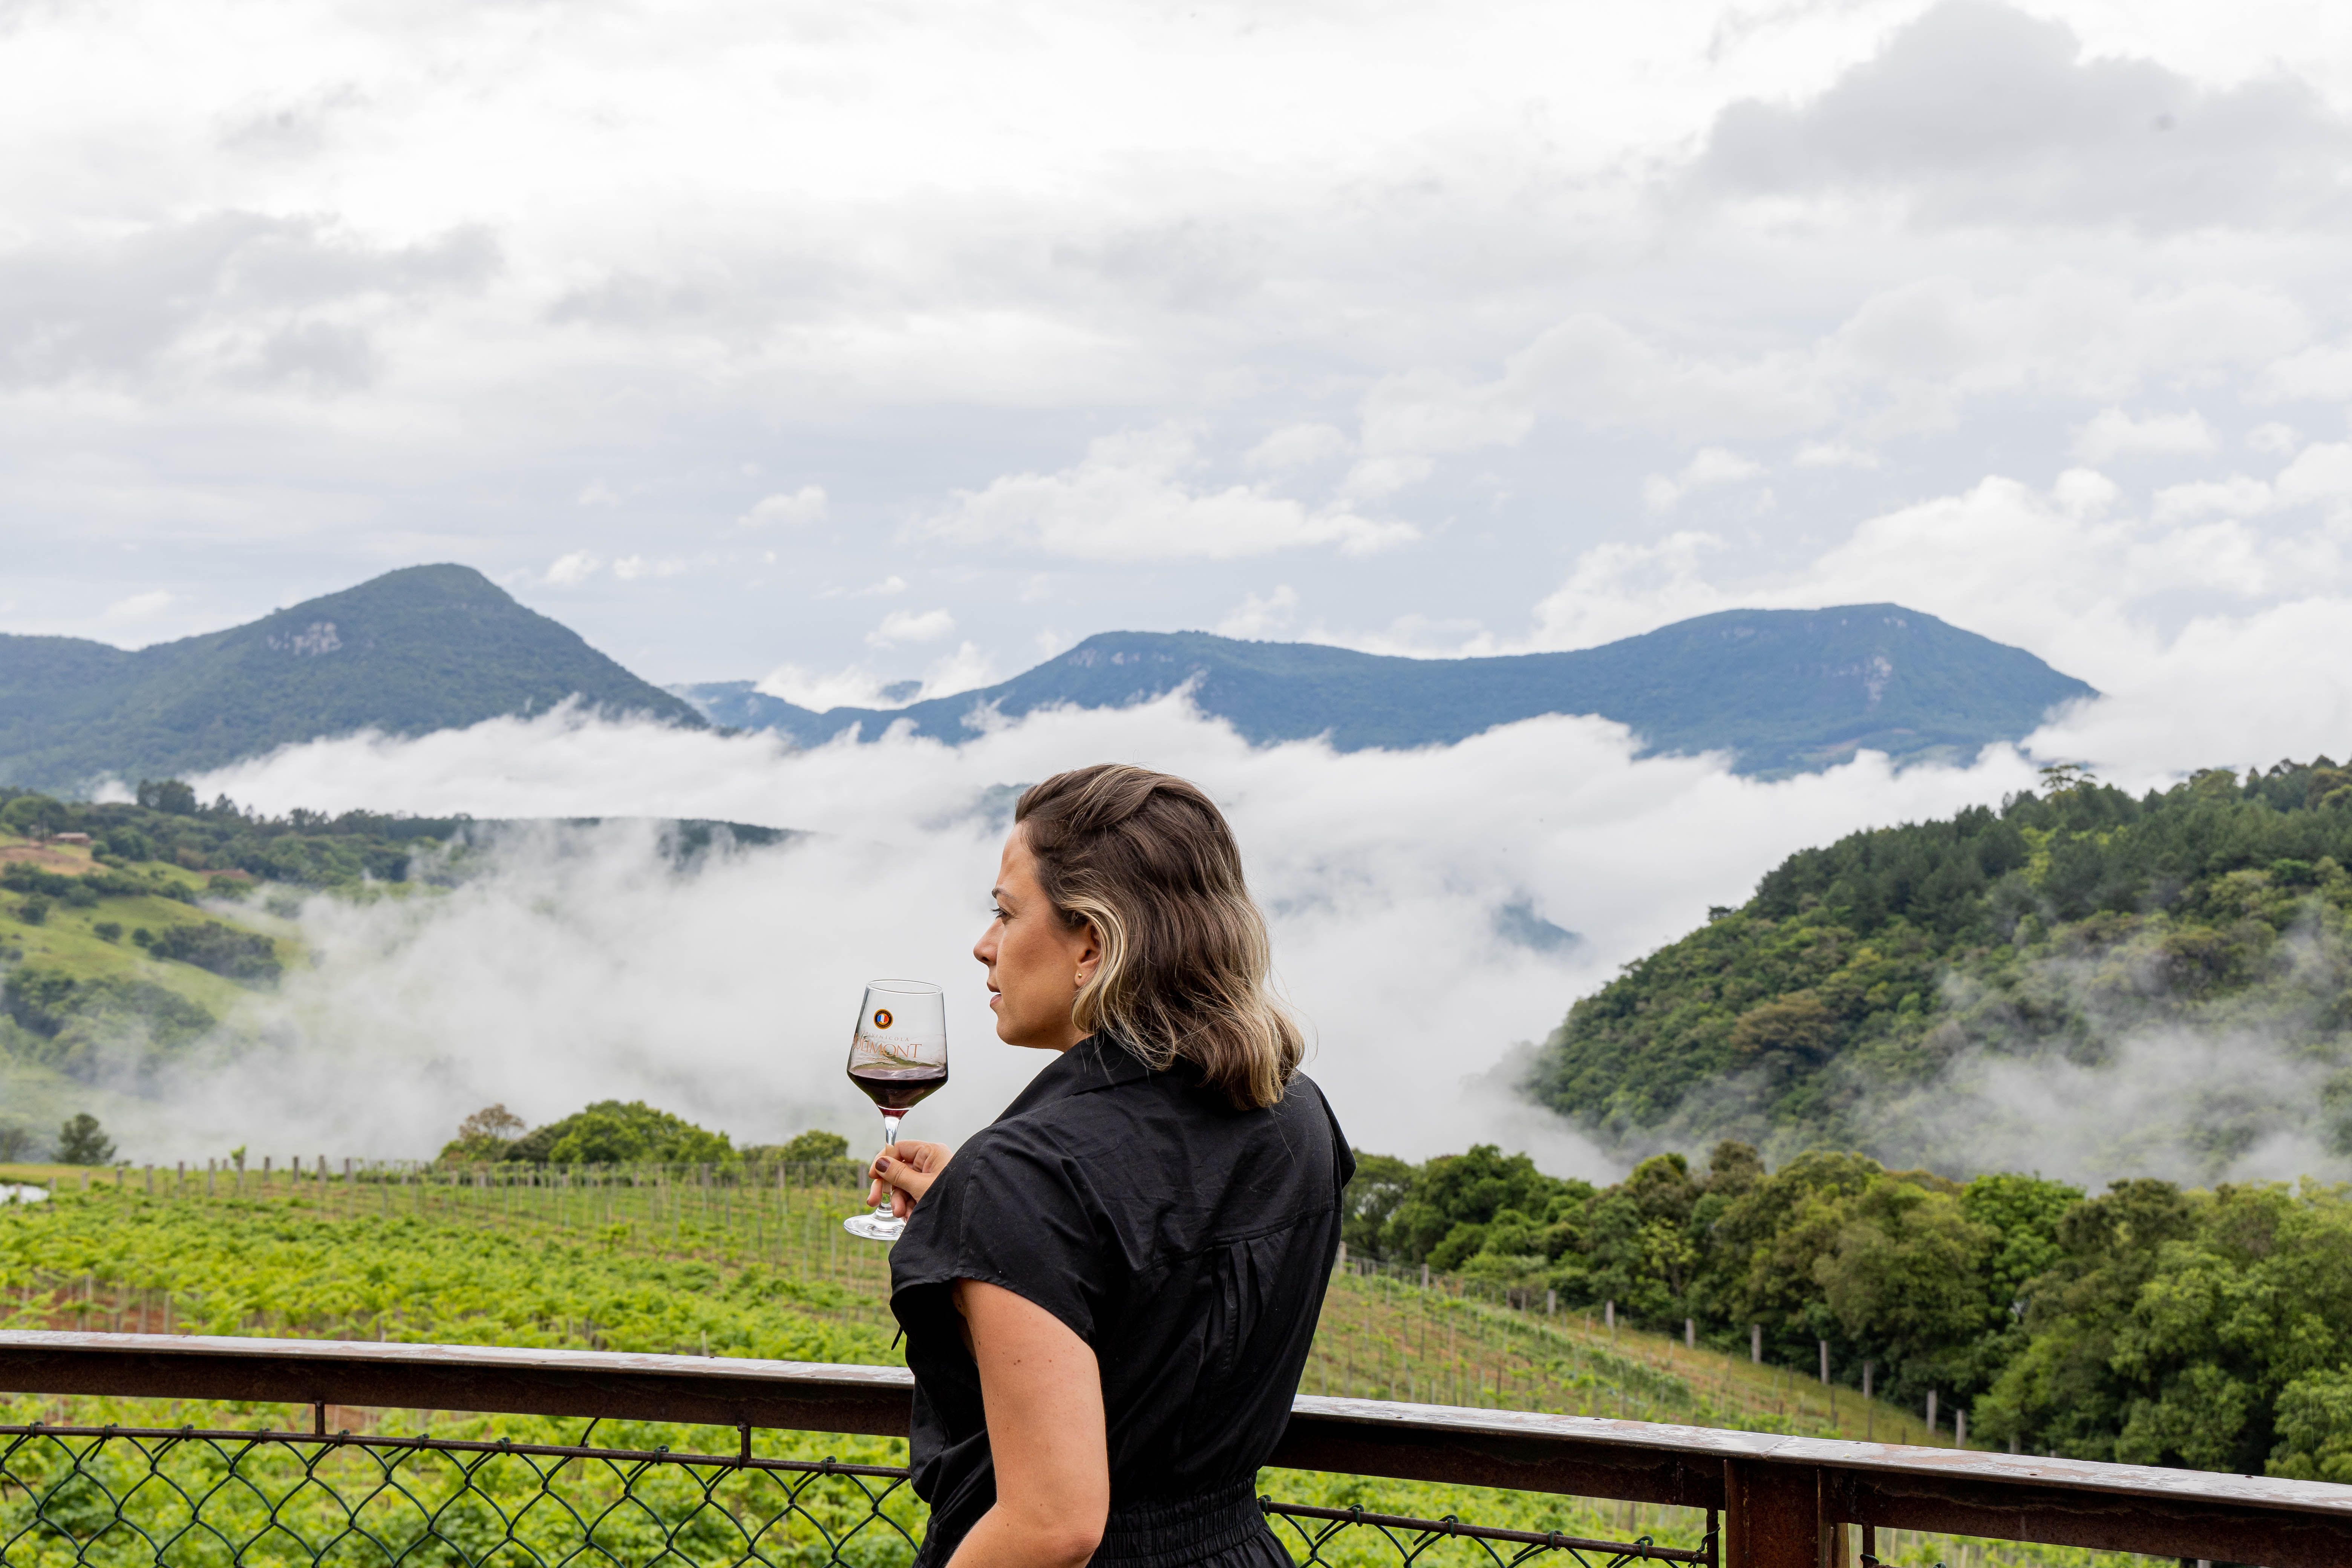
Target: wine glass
{"type": "Point", "coordinates": [898, 1055]}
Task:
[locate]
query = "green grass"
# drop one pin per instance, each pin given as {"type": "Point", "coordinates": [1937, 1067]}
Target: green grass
{"type": "Point", "coordinates": [67, 939]}
{"type": "Point", "coordinates": [766, 1270]}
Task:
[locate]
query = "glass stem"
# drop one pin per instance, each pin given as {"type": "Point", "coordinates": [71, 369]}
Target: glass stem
{"type": "Point", "coordinates": [889, 1136]}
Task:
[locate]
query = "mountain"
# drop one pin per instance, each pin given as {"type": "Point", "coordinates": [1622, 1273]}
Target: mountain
{"type": "Point", "coordinates": [429, 647]}
{"type": "Point", "coordinates": [1784, 690]}
{"type": "Point", "coordinates": [1937, 993]}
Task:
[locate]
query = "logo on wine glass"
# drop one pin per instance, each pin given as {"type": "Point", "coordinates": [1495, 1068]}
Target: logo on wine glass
{"type": "Point", "coordinates": [881, 1018]}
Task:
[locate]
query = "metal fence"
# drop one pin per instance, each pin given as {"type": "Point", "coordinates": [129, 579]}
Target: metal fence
{"type": "Point", "coordinates": [352, 1490]}
{"type": "Point", "coordinates": [181, 1496]}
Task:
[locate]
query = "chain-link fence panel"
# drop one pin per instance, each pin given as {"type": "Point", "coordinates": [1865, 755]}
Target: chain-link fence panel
{"type": "Point", "coordinates": [112, 1497]}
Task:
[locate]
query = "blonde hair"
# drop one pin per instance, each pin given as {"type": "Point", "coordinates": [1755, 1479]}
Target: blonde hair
{"type": "Point", "coordinates": [1147, 860]}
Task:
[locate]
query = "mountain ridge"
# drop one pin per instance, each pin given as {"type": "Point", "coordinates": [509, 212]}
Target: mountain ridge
{"type": "Point", "coordinates": [1784, 690]}
{"type": "Point", "coordinates": [422, 649]}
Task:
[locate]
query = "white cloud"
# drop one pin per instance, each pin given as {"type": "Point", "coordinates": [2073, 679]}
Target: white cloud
{"type": "Point", "coordinates": [597, 960]}
{"type": "Point", "coordinates": [1711, 465]}
{"type": "Point", "coordinates": [140, 607]}
{"type": "Point", "coordinates": [968, 667]}
{"type": "Point", "coordinates": [902, 626]}
{"type": "Point", "coordinates": [883, 588]}
{"type": "Point", "coordinates": [786, 509]}
{"type": "Point", "coordinates": [597, 493]}
{"type": "Point", "coordinates": [2321, 472]}
{"type": "Point", "coordinates": [2274, 437]}
{"type": "Point", "coordinates": [1298, 446]}
{"type": "Point", "coordinates": [1834, 455]}
{"type": "Point", "coordinates": [570, 570]}
{"type": "Point", "coordinates": [629, 568]}
{"type": "Point", "coordinates": [2237, 496]}
{"type": "Point", "coordinates": [1127, 501]}
{"type": "Point", "coordinates": [2114, 433]}
{"type": "Point", "coordinates": [589, 954]}
{"type": "Point", "coordinates": [1261, 616]}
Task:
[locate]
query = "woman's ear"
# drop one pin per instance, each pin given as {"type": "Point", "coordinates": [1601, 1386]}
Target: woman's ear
{"type": "Point", "coordinates": [1089, 954]}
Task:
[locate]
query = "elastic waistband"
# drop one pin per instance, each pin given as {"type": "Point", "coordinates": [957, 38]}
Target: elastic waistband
{"type": "Point", "coordinates": [1168, 1532]}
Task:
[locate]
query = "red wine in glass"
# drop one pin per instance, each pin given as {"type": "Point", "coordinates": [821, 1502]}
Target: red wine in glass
{"type": "Point", "coordinates": [897, 1055]}
{"type": "Point", "coordinates": [897, 1088]}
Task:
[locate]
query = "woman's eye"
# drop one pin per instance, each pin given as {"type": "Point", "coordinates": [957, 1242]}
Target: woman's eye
{"type": "Point", "coordinates": [998, 913]}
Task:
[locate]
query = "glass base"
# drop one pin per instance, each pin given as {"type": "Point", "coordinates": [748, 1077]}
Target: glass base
{"type": "Point", "coordinates": [875, 1227]}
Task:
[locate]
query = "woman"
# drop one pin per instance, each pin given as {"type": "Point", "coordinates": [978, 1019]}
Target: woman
{"type": "Point", "coordinates": [1109, 1293]}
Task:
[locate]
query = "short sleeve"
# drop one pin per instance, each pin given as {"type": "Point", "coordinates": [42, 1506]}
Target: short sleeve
{"type": "Point", "coordinates": [1011, 1210]}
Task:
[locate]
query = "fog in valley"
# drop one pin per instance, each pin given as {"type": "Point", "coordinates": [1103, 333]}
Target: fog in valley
{"type": "Point", "coordinates": [1434, 913]}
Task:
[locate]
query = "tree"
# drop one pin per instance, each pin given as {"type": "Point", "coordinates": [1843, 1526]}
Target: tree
{"type": "Point", "coordinates": [33, 816]}
{"type": "Point", "coordinates": [167, 796]}
{"type": "Point", "coordinates": [814, 1146]}
{"type": "Point", "coordinates": [487, 1135]}
{"type": "Point", "coordinates": [610, 1132]}
{"type": "Point", "coordinates": [493, 1122]}
{"type": "Point", "coordinates": [82, 1141]}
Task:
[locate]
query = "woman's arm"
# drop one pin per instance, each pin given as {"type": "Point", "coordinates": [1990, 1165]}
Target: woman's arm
{"type": "Point", "coordinates": [1042, 1393]}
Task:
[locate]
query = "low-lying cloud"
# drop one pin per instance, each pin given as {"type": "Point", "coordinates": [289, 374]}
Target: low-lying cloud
{"type": "Point", "coordinates": [1402, 887]}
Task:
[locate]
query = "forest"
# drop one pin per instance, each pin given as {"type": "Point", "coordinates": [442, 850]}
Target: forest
{"type": "Point", "coordinates": [2055, 926]}
{"type": "Point", "coordinates": [2147, 1324]}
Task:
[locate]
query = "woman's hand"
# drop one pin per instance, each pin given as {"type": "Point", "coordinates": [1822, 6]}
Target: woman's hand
{"type": "Point", "coordinates": [906, 1170]}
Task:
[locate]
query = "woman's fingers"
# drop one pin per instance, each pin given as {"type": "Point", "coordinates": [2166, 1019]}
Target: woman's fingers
{"type": "Point", "coordinates": [907, 1170]}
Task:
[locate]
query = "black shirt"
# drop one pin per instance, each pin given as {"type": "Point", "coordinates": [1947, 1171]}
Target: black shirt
{"type": "Point", "coordinates": [1187, 1243]}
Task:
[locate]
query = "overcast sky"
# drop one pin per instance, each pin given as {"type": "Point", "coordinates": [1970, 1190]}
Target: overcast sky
{"type": "Point", "coordinates": [834, 345]}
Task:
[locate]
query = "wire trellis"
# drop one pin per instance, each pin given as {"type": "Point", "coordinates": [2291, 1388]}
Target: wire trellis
{"type": "Point", "coordinates": [115, 1496]}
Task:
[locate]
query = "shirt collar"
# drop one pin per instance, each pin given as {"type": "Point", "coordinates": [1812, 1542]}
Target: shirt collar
{"type": "Point", "coordinates": [1098, 1061]}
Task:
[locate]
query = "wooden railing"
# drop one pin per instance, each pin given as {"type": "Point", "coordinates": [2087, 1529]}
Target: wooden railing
{"type": "Point", "coordinates": [1784, 1502]}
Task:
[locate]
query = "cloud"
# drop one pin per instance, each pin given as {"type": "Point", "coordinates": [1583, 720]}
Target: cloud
{"type": "Point", "coordinates": [2320, 472]}
{"type": "Point", "coordinates": [717, 994]}
{"type": "Point", "coordinates": [140, 607]}
{"type": "Point", "coordinates": [1916, 356]}
{"type": "Point", "coordinates": [901, 626]}
{"type": "Point", "coordinates": [570, 570]}
{"type": "Point", "coordinates": [786, 509]}
{"type": "Point", "coordinates": [1298, 446]}
{"type": "Point", "coordinates": [231, 296]}
{"type": "Point", "coordinates": [1260, 615]}
{"type": "Point", "coordinates": [1979, 113]}
{"type": "Point", "coordinates": [2237, 496]}
{"type": "Point", "coordinates": [968, 666]}
{"type": "Point", "coordinates": [1712, 465]}
{"type": "Point", "coordinates": [1127, 501]}
{"type": "Point", "coordinates": [882, 589]}
{"type": "Point", "coordinates": [2113, 433]}
{"type": "Point", "coordinates": [1834, 455]}
{"type": "Point", "coordinates": [629, 568]}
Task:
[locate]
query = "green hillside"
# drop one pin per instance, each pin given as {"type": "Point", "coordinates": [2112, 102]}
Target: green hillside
{"type": "Point", "coordinates": [120, 954]}
{"type": "Point", "coordinates": [2146, 1324]}
{"type": "Point", "coordinates": [1782, 691]}
{"type": "Point", "coordinates": [2058, 924]}
{"type": "Point", "coordinates": [424, 648]}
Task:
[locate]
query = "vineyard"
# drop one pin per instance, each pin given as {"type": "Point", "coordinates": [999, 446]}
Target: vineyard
{"type": "Point", "coordinates": [752, 1262]}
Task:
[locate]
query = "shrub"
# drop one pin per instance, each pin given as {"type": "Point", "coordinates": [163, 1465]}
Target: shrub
{"type": "Point", "coordinates": [235, 954]}
{"type": "Point", "coordinates": [108, 930]}
{"type": "Point", "coordinates": [33, 910]}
